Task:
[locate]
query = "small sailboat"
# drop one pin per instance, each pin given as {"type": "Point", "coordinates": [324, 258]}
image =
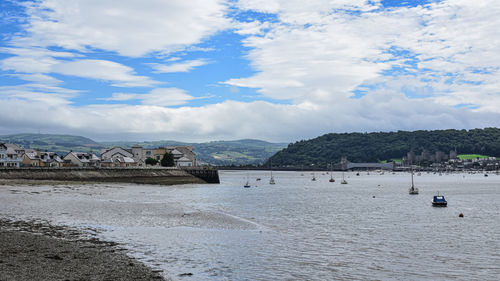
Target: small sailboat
{"type": "Point", "coordinates": [271, 180]}
{"type": "Point", "coordinates": [439, 201]}
{"type": "Point", "coordinates": [331, 178]}
{"type": "Point", "coordinates": [331, 174]}
{"type": "Point", "coordinates": [313, 178]}
{"type": "Point", "coordinates": [412, 190]}
{"type": "Point", "coordinates": [343, 179]}
{"type": "Point", "coordinates": [247, 184]}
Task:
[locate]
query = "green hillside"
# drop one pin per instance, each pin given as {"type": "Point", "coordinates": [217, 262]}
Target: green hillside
{"type": "Point", "coordinates": [376, 147]}
{"type": "Point", "coordinates": [60, 144]}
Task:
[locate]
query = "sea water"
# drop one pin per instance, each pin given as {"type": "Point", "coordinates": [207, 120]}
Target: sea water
{"type": "Point", "coordinates": [297, 229]}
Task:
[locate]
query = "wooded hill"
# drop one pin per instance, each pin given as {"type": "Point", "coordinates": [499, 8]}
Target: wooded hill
{"type": "Point", "coordinates": [375, 147]}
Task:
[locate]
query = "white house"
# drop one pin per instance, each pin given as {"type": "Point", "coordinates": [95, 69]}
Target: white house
{"type": "Point", "coordinates": [81, 159]}
{"type": "Point", "coordinates": [120, 157]}
{"type": "Point", "coordinates": [115, 152]}
{"type": "Point", "coordinates": [183, 155]}
{"type": "Point", "coordinates": [9, 157]}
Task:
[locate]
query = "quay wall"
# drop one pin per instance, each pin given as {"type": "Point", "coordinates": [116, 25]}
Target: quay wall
{"type": "Point", "coordinates": [164, 176]}
{"type": "Point", "coordinates": [207, 174]}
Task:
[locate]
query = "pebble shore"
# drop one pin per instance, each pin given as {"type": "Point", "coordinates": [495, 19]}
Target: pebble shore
{"type": "Point", "coordinates": [40, 251]}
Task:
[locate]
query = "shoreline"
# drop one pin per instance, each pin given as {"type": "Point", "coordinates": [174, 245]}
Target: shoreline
{"type": "Point", "coordinates": [41, 251]}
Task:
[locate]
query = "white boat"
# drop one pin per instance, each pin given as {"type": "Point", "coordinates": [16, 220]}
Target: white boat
{"type": "Point", "coordinates": [247, 184]}
{"type": "Point", "coordinates": [313, 178]}
{"type": "Point", "coordinates": [412, 190]}
{"type": "Point", "coordinates": [343, 179]}
{"type": "Point", "coordinates": [271, 180]}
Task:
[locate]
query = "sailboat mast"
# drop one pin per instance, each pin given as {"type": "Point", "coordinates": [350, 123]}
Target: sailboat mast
{"type": "Point", "coordinates": [411, 177]}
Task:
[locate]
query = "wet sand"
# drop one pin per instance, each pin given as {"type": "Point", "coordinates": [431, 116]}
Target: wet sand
{"type": "Point", "coordinates": [40, 251]}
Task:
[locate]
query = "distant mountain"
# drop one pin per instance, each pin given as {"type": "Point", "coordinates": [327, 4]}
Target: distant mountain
{"type": "Point", "coordinates": [238, 152]}
{"type": "Point", "coordinates": [61, 144]}
{"type": "Point", "coordinates": [374, 147]}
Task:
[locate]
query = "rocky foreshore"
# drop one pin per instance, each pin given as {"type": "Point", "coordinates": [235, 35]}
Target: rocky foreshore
{"type": "Point", "coordinates": [40, 251]}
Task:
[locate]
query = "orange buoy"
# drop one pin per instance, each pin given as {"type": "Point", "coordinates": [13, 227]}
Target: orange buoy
{"type": "Point", "coordinates": [460, 215]}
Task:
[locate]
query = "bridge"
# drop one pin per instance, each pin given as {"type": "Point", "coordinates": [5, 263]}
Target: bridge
{"type": "Point", "coordinates": [372, 166]}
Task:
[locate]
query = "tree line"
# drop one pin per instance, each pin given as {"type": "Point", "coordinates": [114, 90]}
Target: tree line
{"type": "Point", "coordinates": [384, 146]}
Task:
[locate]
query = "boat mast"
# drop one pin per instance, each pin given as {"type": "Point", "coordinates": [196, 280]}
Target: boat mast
{"type": "Point", "coordinates": [411, 168]}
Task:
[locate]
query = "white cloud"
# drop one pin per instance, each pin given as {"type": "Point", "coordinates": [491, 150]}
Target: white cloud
{"type": "Point", "coordinates": [38, 78]}
{"type": "Point", "coordinates": [34, 64]}
{"type": "Point", "coordinates": [50, 97]}
{"type": "Point", "coordinates": [120, 75]}
{"type": "Point", "coordinates": [320, 51]}
{"type": "Point", "coordinates": [335, 55]}
{"type": "Point", "coordinates": [251, 28]}
{"type": "Point", "coordinates": [157, 97]}
{"type": "Point", "coordinates": [129, 27]}
{"type": "Point", "coordinates": [185, 66]}
{"type": "Point", "coordinates": [234, 120]}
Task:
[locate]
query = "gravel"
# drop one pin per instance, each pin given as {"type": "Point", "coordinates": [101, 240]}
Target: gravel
{"type": "Point", "coordinates": [40, 251]}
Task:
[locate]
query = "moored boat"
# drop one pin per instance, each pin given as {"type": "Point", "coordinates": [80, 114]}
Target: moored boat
{"type": "Point", "coordinates": [343, 179]}
{"type": "Point", "coordinates": [412, 190]}
{"type": "Point", "coordinates": [331, 174]}
{"type": "Point", "coordinates": [439, 201]}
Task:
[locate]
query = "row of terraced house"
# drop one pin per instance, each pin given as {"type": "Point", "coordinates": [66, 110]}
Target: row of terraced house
{"type": "Point", "coordinates": [11, 155]}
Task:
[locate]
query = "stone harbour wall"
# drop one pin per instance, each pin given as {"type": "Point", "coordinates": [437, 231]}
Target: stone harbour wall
{"type": "Point", "coordinates": [164, 176]}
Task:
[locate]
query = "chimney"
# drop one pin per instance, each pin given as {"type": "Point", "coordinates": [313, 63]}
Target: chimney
{"type": "Point", "coordinates": [38, 153]}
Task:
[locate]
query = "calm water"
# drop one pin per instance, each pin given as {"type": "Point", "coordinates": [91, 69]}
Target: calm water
{"type": "Point", "coordinates": [295, 230]}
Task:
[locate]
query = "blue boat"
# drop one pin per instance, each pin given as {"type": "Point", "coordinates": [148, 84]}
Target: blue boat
{"type": "Point", "coordinates": [439, 201]}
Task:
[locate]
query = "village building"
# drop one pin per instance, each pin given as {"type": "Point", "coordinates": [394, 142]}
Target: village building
{"type": "Point", "coordinates": [81, 159]}
{"type": "Point", "coordinates": [9, 157]}
{"type": "Point", "coordinates": [32, 158]}
{"type": "Point", "coordinates": [115, 152]}
{"type": "Point", "coordinates": [183, 156]}
{"type": "Point", "coordinates": [120, 157]}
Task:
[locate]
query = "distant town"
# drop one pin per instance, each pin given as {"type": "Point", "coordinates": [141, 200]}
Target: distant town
{"type": "Point", "coordinates": [438, 161]}
{"type": "Point", "coordinates": [12, 155]}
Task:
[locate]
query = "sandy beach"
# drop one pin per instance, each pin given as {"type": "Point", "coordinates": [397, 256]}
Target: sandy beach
{"type": "Point", "coordinates": [40, 251]}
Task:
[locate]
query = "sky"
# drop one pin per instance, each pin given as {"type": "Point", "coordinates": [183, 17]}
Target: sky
{"type": "Point", "coordinates": [275, 70]}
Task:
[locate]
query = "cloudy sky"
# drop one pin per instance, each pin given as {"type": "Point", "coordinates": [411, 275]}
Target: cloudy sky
{"type": "Point", "coordinates": [277, 70]}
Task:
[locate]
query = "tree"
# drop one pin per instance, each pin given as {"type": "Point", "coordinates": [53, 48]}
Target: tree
{"type": "Point", "coordinates": [151, 161]}
{"type": "Point", "coordinates": [168, 160]}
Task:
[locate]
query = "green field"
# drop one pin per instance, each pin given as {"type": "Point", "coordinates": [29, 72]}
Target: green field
{"type": "Point", "coordinates": [471, 156]}
{"type": "Point", "coordinates": [395, 160]}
